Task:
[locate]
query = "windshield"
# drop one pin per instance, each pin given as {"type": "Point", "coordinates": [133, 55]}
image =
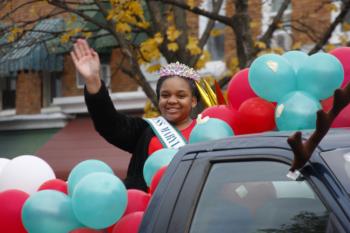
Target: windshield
{"type": "Point", "coordinates": [339, 162]}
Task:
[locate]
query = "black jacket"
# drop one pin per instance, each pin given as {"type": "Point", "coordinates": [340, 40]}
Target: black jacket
{"type": "Point", "coordinates": [132, 134]}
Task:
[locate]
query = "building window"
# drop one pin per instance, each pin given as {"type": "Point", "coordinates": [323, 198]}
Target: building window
{"type": "Point", "coordinates": [341, 32]}
{"type": "Point", "coordinates": [52, 87]}
{"type": "Point", "coordinates": [9, 93]}
{"type": "Point", "coordinates": [215, 44]}
{"type": "Point", "coordinates": [105, 74]}
{"type": "Point", "coordinates": [281, 37]}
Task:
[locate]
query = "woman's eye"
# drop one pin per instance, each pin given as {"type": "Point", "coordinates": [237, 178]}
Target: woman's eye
{"type": "Point", "coordinates": [164, 95]}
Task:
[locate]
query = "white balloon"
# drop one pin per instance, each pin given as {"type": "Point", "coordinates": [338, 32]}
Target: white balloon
{"type": "Point", "coordinates": [26, 173]}
{"type": "Point", "coordinates": [3, 162]}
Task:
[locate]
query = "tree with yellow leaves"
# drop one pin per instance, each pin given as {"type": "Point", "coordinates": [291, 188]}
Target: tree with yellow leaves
{"type": "Point", "coordinates": [169, 28]}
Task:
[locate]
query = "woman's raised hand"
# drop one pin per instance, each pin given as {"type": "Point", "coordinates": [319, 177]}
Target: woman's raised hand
{"type": "Point", "coordinates": [87, 63]}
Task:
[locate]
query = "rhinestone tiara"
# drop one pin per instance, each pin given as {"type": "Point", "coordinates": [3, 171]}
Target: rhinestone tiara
{"type": "Point", "coordinates": [178, 69]}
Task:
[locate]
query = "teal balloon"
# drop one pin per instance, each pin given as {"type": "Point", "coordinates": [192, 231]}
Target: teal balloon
{"type": "Point", "coordinates": [320, 75]}
{"type": "Point", "coordinates": [211, 129]}
{"type": "Point", "coordinates": [296, 59]}
{"type": "Point", "coordinates": [271, 77]}
{"type": "Point", "coordinates": [297, 111]}
{"type": "Point", "coordinates": [49, 211]}
{"type": "Point", "coordinates": [99, 200]}
{"type": "Point", "coordinates": [85, 168]}
{"type": "Point", "coordinates": [155, 161]}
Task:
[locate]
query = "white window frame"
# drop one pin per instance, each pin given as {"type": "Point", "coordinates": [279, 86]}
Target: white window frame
{"type": "Point", "coordinates": [338, 31]}
{"type": "Point", "coordinates": [105, 74]}
{"type": "Point", "coordinates": [267, 16]}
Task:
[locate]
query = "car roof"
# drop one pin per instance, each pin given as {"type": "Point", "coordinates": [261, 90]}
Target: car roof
{"type": "Point", "coordinates": [336, 138]}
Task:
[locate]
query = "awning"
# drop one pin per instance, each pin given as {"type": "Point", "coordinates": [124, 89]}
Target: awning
{"type": "Point", "coordinates": [78, 141]}
{"type": "Point", "coordinates": [31, 53]}
{"type": "Point", "coordinates": [23, 142]}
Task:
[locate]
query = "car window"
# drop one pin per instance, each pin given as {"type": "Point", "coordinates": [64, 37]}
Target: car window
{"type": "Point", "coordinates": [256, 196]}
{"type": "Point", "coordinates": [339, 162]}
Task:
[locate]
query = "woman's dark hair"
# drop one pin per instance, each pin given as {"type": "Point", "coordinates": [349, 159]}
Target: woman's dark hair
{"type": "Point", "coordinates": [191, 82]}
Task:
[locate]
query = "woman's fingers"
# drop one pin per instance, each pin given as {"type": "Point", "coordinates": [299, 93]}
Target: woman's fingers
{"type": "Point", "coordinates": [77, 51]}
{"type": "Point", "coordinates": [84, 47]}
{"type": "Point", "coordinates": [94, 54]}
{"type": "Point", "coordinates": [81, 49]}
{"type": "Point", "coordinates": [74, 58]}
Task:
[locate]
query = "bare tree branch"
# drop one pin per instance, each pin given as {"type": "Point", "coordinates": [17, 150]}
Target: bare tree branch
{"type": "Point", "coordinates": [266, 37]}
{"type": "Point", "coordinates": [328, 33]}
{"type": "Point", "coordinates": [196, 10]}
{"type": "Point", "coordinates": [205, 36]}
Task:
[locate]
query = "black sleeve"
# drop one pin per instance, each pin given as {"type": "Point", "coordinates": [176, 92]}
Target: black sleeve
{"type": "Point", "coordinates": [118, 129]}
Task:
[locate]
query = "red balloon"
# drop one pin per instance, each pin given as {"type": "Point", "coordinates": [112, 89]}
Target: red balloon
{"type": "Point", "coordinates": [327, 104]}
{"type": "Point", "coordinates": [156, 179]}
{"type": "Point", "coordinates": [86, 230]}
{"type": "Point", "coordinates": [256, 115]}
{"type": "Point", "coordinates": [11, 203]}
{"type": "Point", "coordinates": [343, 55]}
{"type": "Point", "coordinates": [129, 223]}
{"type": "Point", "coordinates": [137, 201]}
{"type": "Point", "coordinates": [55, 184]}
{"type": "Point", "coordinates": [239, 90]}
{"type": "Point", "coordinates": [222, 112]}
{"type": "Point", "coordinates": [343, 118]}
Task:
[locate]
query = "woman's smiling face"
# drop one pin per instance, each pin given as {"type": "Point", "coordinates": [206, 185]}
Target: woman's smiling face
{"type": "Point", "coordinates": [176, 101]}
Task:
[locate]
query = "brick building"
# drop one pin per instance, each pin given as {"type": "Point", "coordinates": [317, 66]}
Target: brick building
{"type": "Point", "coordinates": [41, 91]}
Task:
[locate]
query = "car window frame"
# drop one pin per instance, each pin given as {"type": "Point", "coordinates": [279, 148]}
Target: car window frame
{"type": "Point", "coordinates": [182, 215]}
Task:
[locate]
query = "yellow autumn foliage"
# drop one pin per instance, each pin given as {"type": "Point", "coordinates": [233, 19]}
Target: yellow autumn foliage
{"type": "Point", "coordinates": [153, 68]}
{"type": "Point", "coordinates": [172, 33]}
{"type": "Point", "coordinates": [206, 56]}
{"type": "Point", "coordinates": [123, 27]}
{"type": "Point", "coordinates": [260, 45]}
{"type": "Point", "coordinates": [346, 26]}
{"type": "Point", "coordinates": [216, 32]}
{"type": "Point", "coordinates": [14, 34]}
{"type": "Point", "coordinates": [149, 48]}
{"type": "Point", "coordinates": [192, 45]}
{"type": "Point", "coordinates": [296, 45]}
{"type": "Point", "coordinates": [173, 46]}
{"type": "Point", "coordinates": [149, 110]}
{"type": "Point", "coordinates": [191, 3]}
{"type": "Point", "coordinates": [329, 47]}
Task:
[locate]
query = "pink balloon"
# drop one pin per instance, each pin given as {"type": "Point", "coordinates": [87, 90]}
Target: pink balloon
{"type": "Point", "coordinates": [343, 55]}
{"type": "Point", "coordinates": [129, 223]}
{"type": "Point", "coordinates": [11, 203]}
{"type": "Point", "coordinates": [239, 90]}
{"type": "Point", "coordinates": [156, 179]}
{"type": "Point", "coordinates": [55, 184]}
{"type": "Point", "coordinates": [223, 112]}
{"type": "Point", "coordinates": [137, 201]}
{"type": "Point", "coordinates": [343, 118]}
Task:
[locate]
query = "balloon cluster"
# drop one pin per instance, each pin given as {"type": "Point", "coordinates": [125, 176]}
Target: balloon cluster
{"type": "Point", "coordinates": [297, 82]}
{"type": "Point", "coordinates": [245, 112]}
{"type": "Point", "coordinates": [284, 92]}
{"type": "Point", "coordinates": [92, 199]}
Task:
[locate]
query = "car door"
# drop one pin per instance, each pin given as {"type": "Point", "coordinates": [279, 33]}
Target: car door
{"type": "Point", "coordinates": [247, 191]}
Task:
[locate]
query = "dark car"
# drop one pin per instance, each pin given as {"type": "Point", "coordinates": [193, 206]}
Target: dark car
{"type": "Point", "coordinates": [240, 184]}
